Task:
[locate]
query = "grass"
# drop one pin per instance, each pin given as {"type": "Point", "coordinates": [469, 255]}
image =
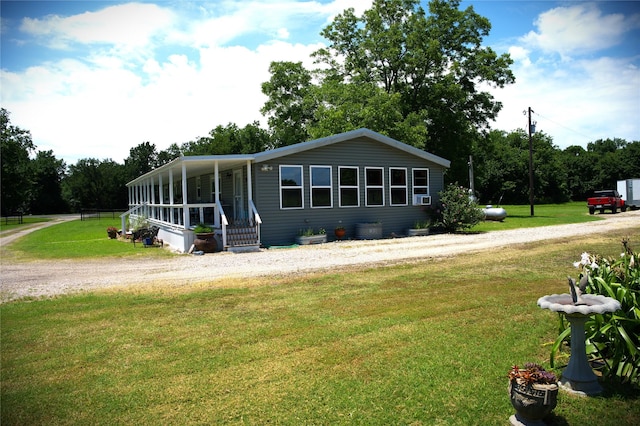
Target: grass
{"type": "Point", "coordinates": [77, 239]}
{"type": "Point", "coordinates": [519, 216]}
{"type": "Point", "coordinates": [428, 343]}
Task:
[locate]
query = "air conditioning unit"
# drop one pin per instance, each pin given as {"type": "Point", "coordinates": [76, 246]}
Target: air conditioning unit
{"type": "Point", "coordinates": [422, 200]}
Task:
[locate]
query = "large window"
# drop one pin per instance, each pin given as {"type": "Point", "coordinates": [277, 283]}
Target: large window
{"type": "Point", "coordinates": [321, 188]}
{"type": "Point", "coordinates": [398, 186]}
{"type": "Point", "coordinates": [421, 186]}
{"type": "Point", "coordinates": [291, 187]}
{"type": "Point", "coordinates": [374, 186]}
{"type": "Point", "coordinates": [348, 183]}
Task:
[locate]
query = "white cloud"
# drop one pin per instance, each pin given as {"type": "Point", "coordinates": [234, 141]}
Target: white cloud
{"type": "Point", "coordinates": [578, 29]}
{"type": "Point", "coordinates": [576, 101]}
{"type": "Point", "coordinates": [119, 25]}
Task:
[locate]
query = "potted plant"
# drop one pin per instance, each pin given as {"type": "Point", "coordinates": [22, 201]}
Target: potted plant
{"type": "Point", "coordinates": [112, 232]}
{"type": "Point", "coordinates": [205, 239]}
{"type": "Point", "coordinates": [340, 232]}
{"type": "Point", "coordinates": [533, 392]}
{"type": "Point", "coordinates": [420, 227]}
{"type": "Point", "coordinates": [310, 236]}
{"type": "Point", "coordinates": [202, 230]}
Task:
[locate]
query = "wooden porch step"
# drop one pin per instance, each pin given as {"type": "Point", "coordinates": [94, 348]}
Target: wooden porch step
{"type": "Point", "coordinates": [242, 236]}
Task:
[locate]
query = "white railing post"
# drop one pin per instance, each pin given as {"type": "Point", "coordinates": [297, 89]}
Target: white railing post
{"type": "Point", "coordinates": [185, 206]}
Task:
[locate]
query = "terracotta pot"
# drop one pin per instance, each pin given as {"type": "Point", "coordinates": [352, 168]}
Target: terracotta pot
{"type": "Point", "coordinates": [340, 233]}
{"type": "Point", "coordinates": [532, 402]}
{"type": "Point", "coordinates": [205, 242]}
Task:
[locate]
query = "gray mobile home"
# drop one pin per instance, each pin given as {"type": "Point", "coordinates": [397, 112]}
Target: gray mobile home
{"type": "Point", "coordinates": [267, 198]}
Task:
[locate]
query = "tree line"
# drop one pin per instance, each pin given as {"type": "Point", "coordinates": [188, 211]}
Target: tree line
{"type": "Point", "coordinates": [410, 74]}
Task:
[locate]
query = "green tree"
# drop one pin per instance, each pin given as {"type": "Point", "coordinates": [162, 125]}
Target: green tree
{"type": "Point", "coordinates": [435, 63]}
{"type": "Point", "coordinates": [291, 104]}
{"type": "Point", "coordinates": [230, 139]}
{"type": "Point", "coordinates": [15, 148]}
{"type": "Point", "coordinates": [501, 169]}
{"type": "Point", "coordinates": [95, 184]}
{"type": "Point", "coordinates": [47, 174]}
{"type": "Point", "coordinates": [142, 159]}
{"type": "Point", "coordinates": [169, 154]}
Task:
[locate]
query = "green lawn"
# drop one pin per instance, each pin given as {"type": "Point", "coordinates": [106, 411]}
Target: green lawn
{"type": "Point", "coordinates": [423, 344]}
{"type": "Point", "coordinates": [546, 214]}
{"type": "Point", "coordinates": [78, 239]}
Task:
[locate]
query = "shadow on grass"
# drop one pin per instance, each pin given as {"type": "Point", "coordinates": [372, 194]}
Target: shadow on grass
{"type": "Point", "coordinates": [614, 388]}
{"type": "Point", "coordinates": [555, 420]}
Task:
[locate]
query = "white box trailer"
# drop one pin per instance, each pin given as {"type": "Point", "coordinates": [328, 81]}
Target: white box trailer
{"type": "Point", "coordinates": [629, 190]}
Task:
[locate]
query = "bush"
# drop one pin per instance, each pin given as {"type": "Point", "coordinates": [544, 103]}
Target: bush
{"type": "Point", "coordinates": [613, 338]}
{"type": "Point", "coordinates": [457, 210]}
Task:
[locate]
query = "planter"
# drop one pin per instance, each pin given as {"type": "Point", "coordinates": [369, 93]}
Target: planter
{"type": "Point", "coordinates": [417, 232]}
{"type": "Point", "coordinates": [205, 242]}
{"type": "Point", "coordinates": [340, 233]}
{"type": "Point", "coordinates": [532, 402]}
{"type": "Point", "coordinates": [368, 231]}
{"type": "Point", "coordinates": [312, 239]}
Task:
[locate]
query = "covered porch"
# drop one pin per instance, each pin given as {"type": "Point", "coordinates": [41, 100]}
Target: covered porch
{"type": "Point", "coordinates": [215, 190]}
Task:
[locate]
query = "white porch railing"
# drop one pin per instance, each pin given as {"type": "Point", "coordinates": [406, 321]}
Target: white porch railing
{"type": "Point", "coordinates": [174, 217]}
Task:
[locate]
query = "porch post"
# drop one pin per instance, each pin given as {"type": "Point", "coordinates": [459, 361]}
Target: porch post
{"type": "Point", "coordinates": [249, 188]}
{"type": "Point", "coordinates": [161, 195]}
{"type": "Point", "coordinates": [216, 189]}
{"type": "Point", "coordinates": [171, 196]}
{"type": "Point", "coordinates": [185, 207]}
{"type": "Point", "coordinates": [154, 209]}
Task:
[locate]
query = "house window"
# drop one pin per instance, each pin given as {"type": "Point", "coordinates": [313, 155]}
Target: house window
{"type": "Point", "coordinates": [349, 192]}
{"type": "Point", "coordinates": [291, 187]}
{"type": "Point", "coordinates": [398, 186]}
{"type": "Point", "coordinates": [374, 186]}
{"type": "Point", "coordinates": [198, 188]}
{"type": "Point", "coordinates": [321, 186]}
{"type": "Point", "coordinates": [421, 186]}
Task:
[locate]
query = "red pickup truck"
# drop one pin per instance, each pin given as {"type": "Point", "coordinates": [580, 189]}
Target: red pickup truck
{"type": "Point", "coordinates": [605, 200]}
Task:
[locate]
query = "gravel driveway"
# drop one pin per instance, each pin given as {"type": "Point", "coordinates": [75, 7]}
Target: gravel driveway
{"type": "Point", "coordinates": [48, 278]}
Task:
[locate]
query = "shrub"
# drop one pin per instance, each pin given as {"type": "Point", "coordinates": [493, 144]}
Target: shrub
{"type": "Point", "coordinates": [612, 338]}
{"type": "Point", "coordinates": [457, 210]}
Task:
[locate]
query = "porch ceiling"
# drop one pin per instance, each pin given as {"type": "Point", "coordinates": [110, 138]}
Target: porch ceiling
{"type": "Point", "coordinates": [195, 166]}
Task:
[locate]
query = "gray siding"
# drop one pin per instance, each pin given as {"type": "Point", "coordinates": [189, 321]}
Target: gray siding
{"type": "Point", "coordinates": [282, 226]}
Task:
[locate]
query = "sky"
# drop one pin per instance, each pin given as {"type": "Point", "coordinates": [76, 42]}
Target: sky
{"type": "Point", "coordinates": [93, 79]}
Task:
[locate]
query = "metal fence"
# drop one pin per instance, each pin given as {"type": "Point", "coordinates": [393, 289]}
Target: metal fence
{"type": "Point", "coordinates": [86, 214]}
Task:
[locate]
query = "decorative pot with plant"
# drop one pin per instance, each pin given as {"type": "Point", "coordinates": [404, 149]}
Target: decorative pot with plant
{"type": "Point", "coordinates": [533, 392]}
{"type": "Point", "coordinates": [420, 227]}
{"type": "Point", "coordinates": [310, 236]}
{"type": "Point", "coordinates": [205, 240]}
{"type": "Point", "coordinates": [340, 232]}
{"type": "Point", "coordinates": [112, 232]}
{"type": "Point", "coordinates": [202, 230]}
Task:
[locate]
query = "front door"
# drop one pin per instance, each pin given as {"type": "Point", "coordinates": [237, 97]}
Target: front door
{"type": "Point", "coordinates": [239, 211]}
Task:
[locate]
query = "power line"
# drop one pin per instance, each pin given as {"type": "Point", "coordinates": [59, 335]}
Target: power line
{"type": "Point", "coordinates": [590, 138]}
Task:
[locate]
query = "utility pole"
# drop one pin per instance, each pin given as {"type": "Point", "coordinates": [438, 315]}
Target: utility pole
{"type": "Point", "coordinates": [531, 131]}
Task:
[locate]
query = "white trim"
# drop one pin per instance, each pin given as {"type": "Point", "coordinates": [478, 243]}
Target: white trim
{"type": "Point", "coordinates": [356, 187]}
{"type": "Point", "coordinates": [417, 201]}
{"type": "Point", "coordinates": [300, 187]}
{"type": "Point", "coordinates": [367, 187]}
{"type": "Point", "coordinates": [312, 186]}
{"type": "Point", "coordinates": [405, 187]}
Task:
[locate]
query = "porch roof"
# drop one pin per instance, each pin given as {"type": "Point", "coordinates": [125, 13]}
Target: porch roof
{"type": "Point", "coordinates": [195, 165]}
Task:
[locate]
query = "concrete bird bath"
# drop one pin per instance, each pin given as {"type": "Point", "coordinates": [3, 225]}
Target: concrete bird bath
{"type": "Point", "coordinates": [578, 377]}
